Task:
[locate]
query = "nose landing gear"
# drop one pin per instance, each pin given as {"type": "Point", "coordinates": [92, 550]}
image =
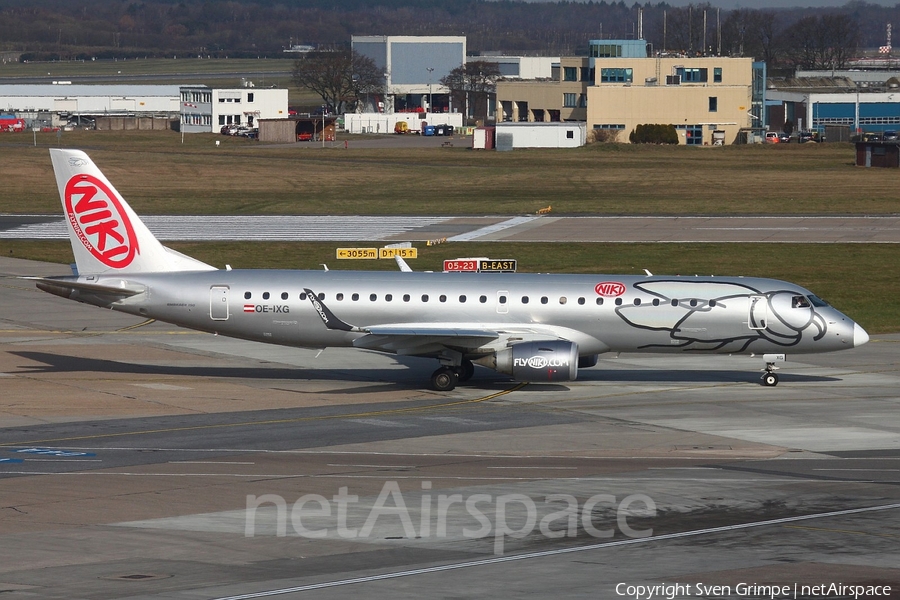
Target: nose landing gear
{"type": "Point", "coordinates": [769, 377]}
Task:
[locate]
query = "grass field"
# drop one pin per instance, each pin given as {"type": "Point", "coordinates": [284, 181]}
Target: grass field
{"type": "Point", "coordinates": [158, 174]}
{"type": "Point", "coordinates": [856, 278]}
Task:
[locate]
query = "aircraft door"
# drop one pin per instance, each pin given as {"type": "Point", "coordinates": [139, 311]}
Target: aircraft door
{"type": "Point", "coordinates": [218, 303]}
{"type": "Point", "coordinates": [759, 312]}
{"type": "Point", "coordinates": [502, 302]}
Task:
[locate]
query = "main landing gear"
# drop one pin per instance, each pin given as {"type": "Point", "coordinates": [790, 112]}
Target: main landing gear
{"type": "Point", "coordinates": [445, 378]}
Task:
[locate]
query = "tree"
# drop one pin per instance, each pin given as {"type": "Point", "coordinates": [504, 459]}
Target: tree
{"type": "Point", "coordinates": [823, 42]}
{"type": "Point", "coordinates": [339, 77]}
{"type": "Point", "coordinates": [472, 84]}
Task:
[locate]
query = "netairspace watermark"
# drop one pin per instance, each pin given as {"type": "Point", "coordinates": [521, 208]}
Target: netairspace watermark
{"type": "Point", "coordinates": [750, 590]}
{"type": "Point", "coordinates": [449, 515]}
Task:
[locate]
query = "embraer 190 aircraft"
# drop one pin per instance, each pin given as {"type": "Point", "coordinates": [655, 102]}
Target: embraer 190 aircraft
{"type": "Point", "coordinates": [533, 327]}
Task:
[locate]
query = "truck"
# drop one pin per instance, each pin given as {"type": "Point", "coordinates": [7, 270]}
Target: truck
{"type": "Point", "coordinates": [11, 123]}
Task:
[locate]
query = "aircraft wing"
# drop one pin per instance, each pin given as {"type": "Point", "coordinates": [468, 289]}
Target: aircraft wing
{"type": "Point", "coordinates": [411, 339]}
{"type": "Point", "coordinates": [422, 340]}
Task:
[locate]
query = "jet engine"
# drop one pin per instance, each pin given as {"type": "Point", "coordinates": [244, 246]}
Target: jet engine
{"type": "Point", "coordinates": [551, 360]}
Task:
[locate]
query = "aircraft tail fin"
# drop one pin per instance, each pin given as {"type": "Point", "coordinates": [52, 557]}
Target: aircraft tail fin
{"type": "Point", "coordinates": [107, 236]}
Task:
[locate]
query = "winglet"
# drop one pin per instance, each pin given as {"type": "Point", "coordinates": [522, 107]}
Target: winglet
{"type": "Point", "coordinates": [328, 317]}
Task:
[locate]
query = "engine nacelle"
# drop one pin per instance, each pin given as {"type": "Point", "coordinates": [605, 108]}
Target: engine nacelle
{"type": "Point", "coordinates": [551, 360]}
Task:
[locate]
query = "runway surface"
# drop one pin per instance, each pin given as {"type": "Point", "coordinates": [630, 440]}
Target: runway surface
{"type": "Point", "coordinates": [529, 228]}
{"type": "Point", "coordinates": [144, 461]}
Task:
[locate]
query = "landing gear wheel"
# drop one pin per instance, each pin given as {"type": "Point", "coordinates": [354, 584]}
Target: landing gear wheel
{"type": "Point", "coordinates": [444, 379]}
{"type": "Point", "coordinates": [770, 379]}
{"type": "Point", "coordinates": [465, 370]}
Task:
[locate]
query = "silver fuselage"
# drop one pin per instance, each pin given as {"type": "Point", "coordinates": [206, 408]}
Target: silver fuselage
{"type": "Point", "coordinates": [645, 314]}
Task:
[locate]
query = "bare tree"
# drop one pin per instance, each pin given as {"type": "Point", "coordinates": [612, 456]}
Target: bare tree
{"type": "Point", "coordinates": [339, 77]}
{"type": "Point", "coordinates": [473, 83]}
{"type": "Point", "coordinates": [823, 42]}
{"type": "Point", "coordinates": [754, 33]}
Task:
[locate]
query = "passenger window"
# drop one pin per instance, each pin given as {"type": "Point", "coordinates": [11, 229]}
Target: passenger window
{"type": "Point", "coordinates": [339, 296]}
{"type": "Point", "coordinates": [354, 297]}
{"type": "Point", "coordinates": [656, 302]}
{"type": "Point", "coordinates": [424, 297]}
{"type": "Point", "coordinates": [524, 299]}
{"type": "Point", "coordinates": [284, 295]}
{"type": "Point", "coordinates": [265, 295]}
{"type": "Point", "coordinates": [388, 297]}
{"type": "Point", "coordinates": [674, 302]}
{"type": "Point", "coordinates": [693, 302]}
{"type": "Point", "coordinates": [406, 297]}
{"type": "Point", "coordinates": [581, 301]}
{"type": "Point", "coordinates": [247, 295]}
{"type": "Point", "coordinates": [303, 295]}
{"type": "Point", "coordinates": [321, 296]}
{"type": "Point", "coordinates": [599, 301]}
{"type": "Point", "coordinates": [462, 299]}
{"type": "Point", "coordinates": [502, 299]}
{"type": "Point", "coordinates": [712, 303]}
{"type": "Point", "coordinates": [373, 297]}
{"type": "Point", "coordinates": [482, 299]}
{"type": "Point", "coordinates": [544, 300]}
{"type": "Point", "coordinates": [443, 298]}
{"type": "Point", "coordinates": [618, 302]}
{"type": "Point", "coordinates": [563, 300]}
{"type": "Point", "coordinates": [637, 301]}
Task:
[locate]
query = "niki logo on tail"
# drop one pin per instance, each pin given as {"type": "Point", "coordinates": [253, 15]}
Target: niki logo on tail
{"type": "Point", "coordinates": [100, 222]}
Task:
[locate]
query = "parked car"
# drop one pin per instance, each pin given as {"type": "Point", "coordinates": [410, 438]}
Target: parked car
{"type": "Point", "coordinates": [772, 137]}
{"type": "Point", "coordinates": [890, 136]}
{"type": "Point", "coordinates": [807, 136]}
{"type": "Point", "coordinates": [784, 138]}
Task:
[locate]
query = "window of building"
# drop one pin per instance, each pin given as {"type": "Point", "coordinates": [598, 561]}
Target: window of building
{"type": "Point", "coordinates": [617, 75]}
{"type": "Point", "coordinates": [582, 100]}
{"type": "Point", "coordinates": [610, 126]}
{"type": "Point", "coordinates": [250, 97]}
{"type": "Point", "coordinates": [717, 75]}
{"type": "Point", "coordinates": [570, 135]}
{"type": "Point", "coordinates": [606, 51]}
{"type": "Point", "coordinates": [692, 74]}
{"type": "Point", "coordinates": [569, 100]}
{"type": "Point", "coordinates": [570, 74]}
{"type": "Point", "coordinates": [713, 103]}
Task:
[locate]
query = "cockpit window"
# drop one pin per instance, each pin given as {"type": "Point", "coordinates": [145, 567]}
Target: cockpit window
{"type": "Point", "coordinates": [799, 302]}
{"type": "Point", "coordinates": [816, 301]}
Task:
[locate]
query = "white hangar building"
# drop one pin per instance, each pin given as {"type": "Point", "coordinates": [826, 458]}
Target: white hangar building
{"type": "Point", "coordinates": [55, 104]}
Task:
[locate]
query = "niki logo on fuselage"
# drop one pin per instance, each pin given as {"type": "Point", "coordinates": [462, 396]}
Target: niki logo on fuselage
{"type": "Point", "coordinates": [100, 222]}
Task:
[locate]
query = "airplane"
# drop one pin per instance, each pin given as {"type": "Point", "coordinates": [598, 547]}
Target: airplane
{"type": "Point", "coordinates": [532, 327]}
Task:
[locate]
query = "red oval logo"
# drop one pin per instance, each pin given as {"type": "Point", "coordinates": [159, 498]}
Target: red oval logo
{"type": "Point", "coordinates": [610, 289]}
{"type": "Point", "coordinates": [100, 221]}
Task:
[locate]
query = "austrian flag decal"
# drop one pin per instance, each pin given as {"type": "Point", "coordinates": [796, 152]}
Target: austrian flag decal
{"type": "Point", "coordinates": [100, 222]}
{"type": "Point", "coordinates": [249, 308]}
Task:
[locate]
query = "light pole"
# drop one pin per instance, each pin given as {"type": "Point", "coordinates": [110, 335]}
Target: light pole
{"type": "Point", "coordinates": [430, 71]}
{"type": "Point", "coordinates": [324, 108]}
